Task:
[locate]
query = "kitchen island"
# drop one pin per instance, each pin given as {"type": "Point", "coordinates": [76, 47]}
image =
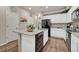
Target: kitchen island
{"type": "Point", "coordinates": [32, 41]}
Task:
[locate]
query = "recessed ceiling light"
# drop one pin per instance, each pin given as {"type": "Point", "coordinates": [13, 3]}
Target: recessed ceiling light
{"type": "Point", "coordinates": [39, 15]}
{"type": "Point", "coordinates": [30, 8]}
{"type": "Point", "coordinates": [46, 7]}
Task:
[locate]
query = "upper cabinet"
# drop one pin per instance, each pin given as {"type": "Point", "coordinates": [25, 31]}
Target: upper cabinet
{"type": "Point", "coordinates": [56, 18]}
{"type": "Point", "coordinates": [61, 18]}
{"type": "Point", "coordinates": [70, 12]}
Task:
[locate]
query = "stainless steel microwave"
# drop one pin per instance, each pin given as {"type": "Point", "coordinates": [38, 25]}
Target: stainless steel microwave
{"type": "Point", "coordinates": [75, 15]}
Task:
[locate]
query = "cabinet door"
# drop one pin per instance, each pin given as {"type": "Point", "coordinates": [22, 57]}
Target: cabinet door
{"type": "Point", "coordinates": [58, 33]}
{"type": "Point", "coordinates": [78, 45]}
{"type": "Point", "coordinates": [53, 32]}
{"type": "Point", "coordinates": [74, 44]}
{"type": "Point", "coordinates": [28, 43]}
{"type": "Point", "coordinates": [45, 37]}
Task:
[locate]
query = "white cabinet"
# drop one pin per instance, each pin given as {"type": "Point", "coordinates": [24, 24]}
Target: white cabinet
{"type": "Point", "coordinates": [78, 45]}
{"type": "Point", "coordinates": [61, 18]}
{"type": "Point", "coordinates": [56, 18]}
{"type": "Point", "coordinates": [28, 43]}
{"type": "Point", "coordinates": [54, 32]}
{"type": "Point", "coordinates": [45, 36]}
{"type": "Point", "coordinates": [58, 33]}
{"type": "Point", "coordinates": [31, 43]}
{"type": "Point", "coordinates": [74, 43]}
{"type": "Point", "coordinates": [69, 17]}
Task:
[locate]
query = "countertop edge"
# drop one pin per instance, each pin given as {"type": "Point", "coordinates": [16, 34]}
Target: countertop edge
{"type": "Point", "coordinates": [29, 33]}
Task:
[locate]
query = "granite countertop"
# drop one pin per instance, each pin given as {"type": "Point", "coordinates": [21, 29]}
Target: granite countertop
{"type": "Point", "coordinates": [75, 33]}
{"type": "Point", "coordinates": [29, 33]}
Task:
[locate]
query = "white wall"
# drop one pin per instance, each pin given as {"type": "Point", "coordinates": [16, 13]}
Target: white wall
{"type": "Point", "coordinates": [12, 22]}
{"type": "Point", "coordinates": [56, 18]}
{"type": "Point", "coordinates": [2, 25]}
{"type": "Point", "coordinates": [26, 15]}
{"type": "Point", "coordinates": [13, 15]}
{"type": "Point", "coordinates": [31, 18]}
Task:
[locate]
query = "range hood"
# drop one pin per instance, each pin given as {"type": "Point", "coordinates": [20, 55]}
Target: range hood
{"type": "Point", "coordinates": [75, 15]}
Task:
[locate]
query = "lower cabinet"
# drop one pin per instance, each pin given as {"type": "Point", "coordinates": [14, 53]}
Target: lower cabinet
{"type": "Point", "coordinates": [78, 45]}
{"type": "Point", "coordinates": [74, 43]}
{"type": "Point", "coordinates": [45, 37]}
{"type": "Point", "coordinates": [38, 42]}
{"type": "Point", "coordinates": [58, 32]}
{"type": "Point", "coordinates": [27, 43]}
{"type": "Point", "coordinates": [32, 43]}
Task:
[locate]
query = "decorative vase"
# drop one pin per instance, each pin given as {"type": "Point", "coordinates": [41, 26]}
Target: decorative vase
{"type": "Point", "coordinates": [29, 29]}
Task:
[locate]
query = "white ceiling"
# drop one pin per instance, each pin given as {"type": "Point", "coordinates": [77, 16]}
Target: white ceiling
{"type": "Point", "coordinates": [42, 9]}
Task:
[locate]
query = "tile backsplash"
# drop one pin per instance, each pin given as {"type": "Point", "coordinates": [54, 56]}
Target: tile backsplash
{"type": "Point", "coordinates": [59, 25]}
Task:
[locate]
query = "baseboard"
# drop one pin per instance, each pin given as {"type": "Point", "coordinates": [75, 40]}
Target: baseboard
{"type": "Point", "coordinates": [10, 47]}
{"type": "Point", "coordinates": [3, 44]}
